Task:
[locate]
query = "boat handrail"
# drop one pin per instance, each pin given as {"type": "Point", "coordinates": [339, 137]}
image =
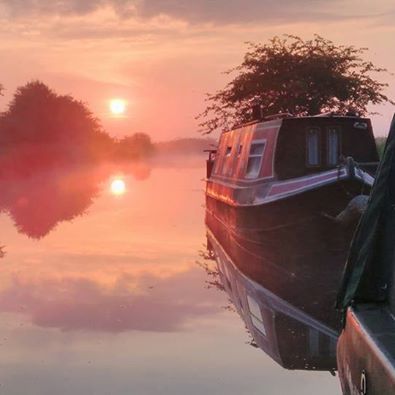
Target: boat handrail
{"type": "Point", "coordinates": [326, 114]}
{"type": "Point", "coordinates": [368, 163]}
{"type": "Point", "coordinates": [337, 114]}
{"type": "Point", "coordinates": [350, 160]}
{"type": "Point", "coordinates": [280, 115]}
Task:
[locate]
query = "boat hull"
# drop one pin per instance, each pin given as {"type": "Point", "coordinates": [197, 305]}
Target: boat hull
{"type": "Point", "coordinates": [292, 244]}
{"type": "Point", "coordinates": [366, 351]}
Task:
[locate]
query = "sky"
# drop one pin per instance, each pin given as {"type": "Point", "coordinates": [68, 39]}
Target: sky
{"type": "Point", "coordinates": [163, 56]}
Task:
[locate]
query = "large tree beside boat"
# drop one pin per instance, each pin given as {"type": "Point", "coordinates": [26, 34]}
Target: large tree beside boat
{"type": "Point", "coordinates": [296, 76]}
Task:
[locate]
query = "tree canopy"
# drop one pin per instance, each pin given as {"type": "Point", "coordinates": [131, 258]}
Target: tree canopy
{"type": "Point", "coordinates": [301, 77]}
{"type": "Point", "coordinates": [38, 114]}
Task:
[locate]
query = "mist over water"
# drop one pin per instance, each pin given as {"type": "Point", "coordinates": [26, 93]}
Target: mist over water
{"type": "Point", "coordinates": [101, 293]}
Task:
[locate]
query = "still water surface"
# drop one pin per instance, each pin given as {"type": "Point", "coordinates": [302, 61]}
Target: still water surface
{"type": "Point", "coordinates": [113, 301]}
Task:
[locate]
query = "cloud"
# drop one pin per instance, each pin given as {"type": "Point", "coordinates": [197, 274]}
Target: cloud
{"type": "Point", "coordinates": [229, 11]}
{"type": "Point", "coordinates": [61, 7]}
{"type": "Point", "coordinates": [205, 11]}
{"type": "Point", "coordinates": [146, 21]}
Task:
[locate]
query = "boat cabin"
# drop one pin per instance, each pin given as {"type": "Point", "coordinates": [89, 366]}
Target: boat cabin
{"type": "Point", "coordinates": [294, 147]}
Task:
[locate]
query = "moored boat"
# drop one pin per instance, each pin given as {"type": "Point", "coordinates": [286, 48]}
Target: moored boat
{"type": "Point", "coordinates": [366, 348]}
{"type": "Point", "coordinates": [284, 194]}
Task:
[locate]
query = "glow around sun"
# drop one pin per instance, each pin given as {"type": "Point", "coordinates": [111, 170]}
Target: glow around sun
{"type": "Point", "coordinates": [118, 106]}
{"type": "Point", "coordinates": [118, 187]}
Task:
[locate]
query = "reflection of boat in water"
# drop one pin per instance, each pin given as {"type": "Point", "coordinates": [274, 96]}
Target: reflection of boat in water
{"type": "Point", "coordinates": [285, 332]}
{"type": "Point", "coordinates": [277, 194]}
{"type": "Point", "coordinates": [366, 348]}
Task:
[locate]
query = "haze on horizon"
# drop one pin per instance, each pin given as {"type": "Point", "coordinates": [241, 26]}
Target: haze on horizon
{"type": "Point", "coordinates": [161, 57]}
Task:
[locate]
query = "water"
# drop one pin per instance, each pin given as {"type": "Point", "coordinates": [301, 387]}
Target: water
{"type": "Point", "coordinates": [113, 301]}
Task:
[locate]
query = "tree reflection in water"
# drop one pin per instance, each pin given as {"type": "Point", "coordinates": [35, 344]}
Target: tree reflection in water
{"type": "Point", "coordinates": [37, 197]}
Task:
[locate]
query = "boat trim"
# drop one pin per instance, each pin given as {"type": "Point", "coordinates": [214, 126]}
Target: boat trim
{"type": "Point", "coordinates": [284, 189]}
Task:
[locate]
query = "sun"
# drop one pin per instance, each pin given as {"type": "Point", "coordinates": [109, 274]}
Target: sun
{"type": "Point", "coordinates": [118, 187]}
{"type": "Point", "coordinates": [118, 106]}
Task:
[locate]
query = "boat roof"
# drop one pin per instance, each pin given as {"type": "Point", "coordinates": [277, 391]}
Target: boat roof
{"type": "Point", "coordinates": [278, 118]}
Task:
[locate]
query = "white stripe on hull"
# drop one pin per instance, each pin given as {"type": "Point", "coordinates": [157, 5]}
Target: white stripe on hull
{"type": "Point", "coordinates": [285, 189]}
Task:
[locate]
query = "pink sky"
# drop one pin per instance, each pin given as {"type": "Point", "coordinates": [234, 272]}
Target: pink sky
{"type": "Point", "coordinates": [162, 56]}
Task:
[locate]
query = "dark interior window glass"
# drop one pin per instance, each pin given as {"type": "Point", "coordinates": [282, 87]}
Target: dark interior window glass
{"type": "Point", "coordinates": [333, 146]}
{"type": "Point", "coordinates": [313, 147]}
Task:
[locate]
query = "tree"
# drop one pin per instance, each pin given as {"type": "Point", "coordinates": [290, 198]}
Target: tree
{"type": "Point", "coordinates": [37, 113]}
{"type": "Point", "coordinates": [136, 146]}
{"type": "Point", "coordinates": [291, 75]}
{"type": "Point", "coordinates": [58, 125]}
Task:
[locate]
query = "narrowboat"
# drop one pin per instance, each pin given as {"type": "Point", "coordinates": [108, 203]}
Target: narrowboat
{"type": "Point", "coordinates": [285, 194]}
{"type": "Point", "coordinates": [292, 338]}
{"type": "Point", "coordinates": [366, 347]}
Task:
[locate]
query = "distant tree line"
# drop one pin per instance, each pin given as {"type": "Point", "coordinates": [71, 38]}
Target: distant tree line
{"type": "Point", "coordinates": [136, 146]}
{"type": "Point", "coordinates": [44, 127]}
{"type": "Point", "coordinates": [185, 146]}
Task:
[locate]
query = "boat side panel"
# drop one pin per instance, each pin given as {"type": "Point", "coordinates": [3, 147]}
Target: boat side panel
{"type": "Point", "coordinates": [244, 136]}
{"type": "Point", "coordinates": [367, 348]}
{"type": "Point", "coordinates": [291, 155]}
{"type": "Point", "coordinates": [234, 150]}
{"type": "Point", "coordinates": [291, 244]}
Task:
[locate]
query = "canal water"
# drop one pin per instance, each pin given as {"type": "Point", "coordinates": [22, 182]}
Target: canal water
{"type": "Point", "coordinates": [102, 291]}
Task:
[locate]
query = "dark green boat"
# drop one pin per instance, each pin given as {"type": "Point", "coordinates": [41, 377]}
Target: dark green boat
{"type": "Point", "coordinates": [366, 347]}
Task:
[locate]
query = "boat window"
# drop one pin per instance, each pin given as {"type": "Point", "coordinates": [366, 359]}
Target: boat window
{"type": "Point", "coordinates": [333, 146]}
{"type": "Point", "coordinates": [255, 159]}
{"type": "Point", "coordinates": [228, 162]}
{"type": "Point", "coordinates": [240, 150]}
{"type": "Point", "coordinates": [256, 315]}
{"type": "Point", "coordinates": [257, 148]}
{"type": "Point", "coordinates": [313, 147]}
